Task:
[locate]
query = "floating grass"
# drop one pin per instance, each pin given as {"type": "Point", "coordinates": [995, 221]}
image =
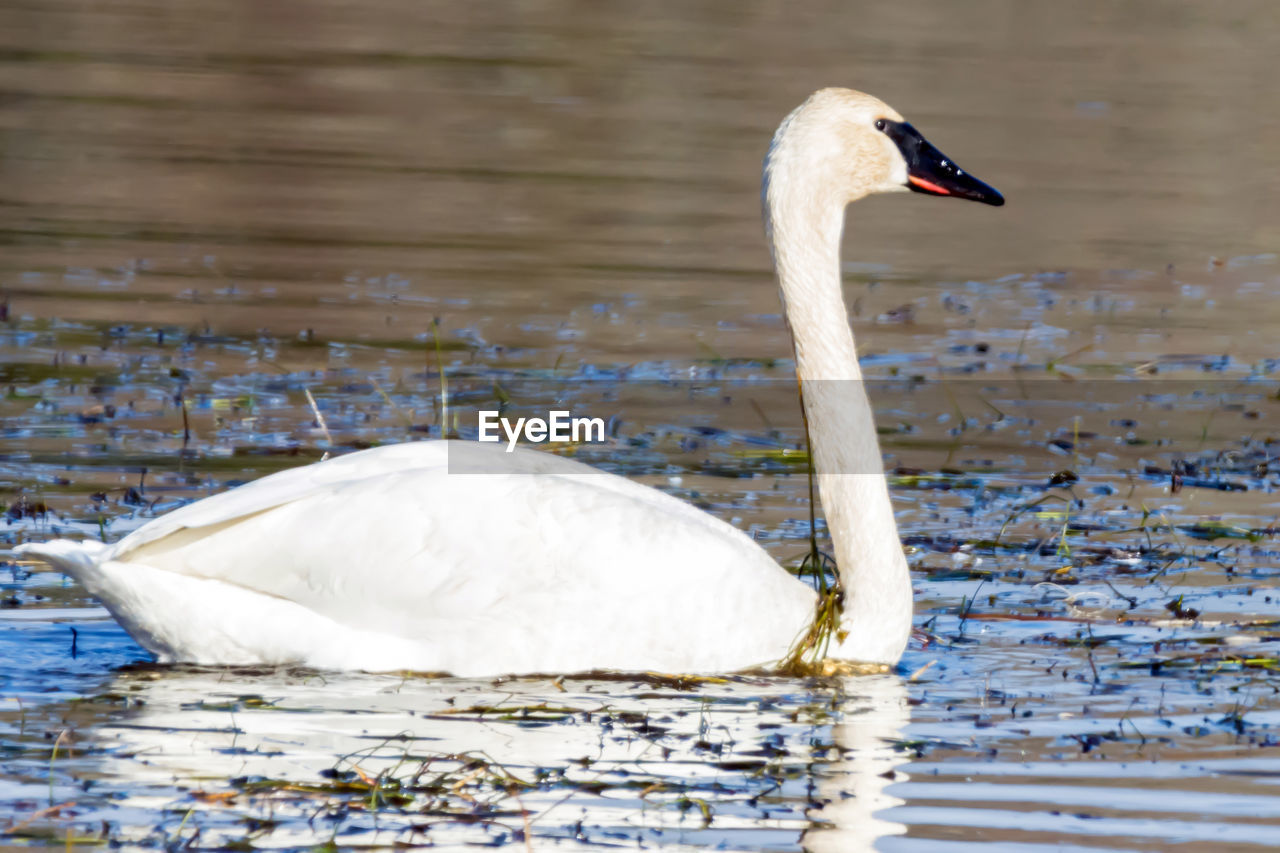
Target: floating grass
{"type": "Point", "coordinates": [1211, 663]}
{"type": "Point", "coordinates": [444, 384]}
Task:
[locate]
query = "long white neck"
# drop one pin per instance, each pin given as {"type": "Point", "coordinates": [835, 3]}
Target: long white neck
{"type": "Point", "coordinates": [804, 219]}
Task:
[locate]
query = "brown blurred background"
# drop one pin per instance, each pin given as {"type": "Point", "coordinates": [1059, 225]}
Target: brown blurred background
{"type": "Point", "coordinates": [539, 154]}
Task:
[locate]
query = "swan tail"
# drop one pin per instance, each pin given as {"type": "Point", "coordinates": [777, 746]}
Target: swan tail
{"type": "Point", "coordinates": [80, 560]}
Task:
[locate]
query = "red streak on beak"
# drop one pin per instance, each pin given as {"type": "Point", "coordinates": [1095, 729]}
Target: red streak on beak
{"type": "Point", "coordinates": [926, 185]}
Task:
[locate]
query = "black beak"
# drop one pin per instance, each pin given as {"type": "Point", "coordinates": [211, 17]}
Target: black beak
{"type": "Point", "coordinates": [931, 172]}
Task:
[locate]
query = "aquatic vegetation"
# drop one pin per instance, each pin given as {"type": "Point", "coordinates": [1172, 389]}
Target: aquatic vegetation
{"type": "Point", "coordinates": [1071, 605]}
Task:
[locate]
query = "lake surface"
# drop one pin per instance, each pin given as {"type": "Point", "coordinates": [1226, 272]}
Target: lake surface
{"type": "Point", "coordinates": [212, 215]}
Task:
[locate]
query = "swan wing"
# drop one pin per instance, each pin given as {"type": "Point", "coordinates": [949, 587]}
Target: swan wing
{"type": "Point", "coordinates": [426, 457]}
{"type": "Point", "coordinates": [285, 486]}
{"type": "Point", "coordinates": [453, 557]}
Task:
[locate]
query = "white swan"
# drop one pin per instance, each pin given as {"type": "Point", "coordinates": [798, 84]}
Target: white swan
{"type": "Point", "coordinates": [526, 562]}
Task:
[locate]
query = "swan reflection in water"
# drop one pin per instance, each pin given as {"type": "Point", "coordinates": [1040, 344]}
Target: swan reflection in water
{"type": "Point", "coordinates": [293, 759]}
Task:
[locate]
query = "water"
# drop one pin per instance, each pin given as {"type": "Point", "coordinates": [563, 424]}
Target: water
{"type": "Point", "coordinates": [208, 214]}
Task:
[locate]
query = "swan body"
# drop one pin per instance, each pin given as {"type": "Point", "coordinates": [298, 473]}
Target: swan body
{"type": "Point", "coordinates": [458, 557]}
{"type": "Point", "coordinates": [384, 560]}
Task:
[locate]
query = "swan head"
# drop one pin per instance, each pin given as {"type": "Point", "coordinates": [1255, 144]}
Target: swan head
{"type": "Point", "coordinates": [841, 145]}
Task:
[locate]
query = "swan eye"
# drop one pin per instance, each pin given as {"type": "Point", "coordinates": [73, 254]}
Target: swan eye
{"type": "Point", "coordinates": [880, 124]}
